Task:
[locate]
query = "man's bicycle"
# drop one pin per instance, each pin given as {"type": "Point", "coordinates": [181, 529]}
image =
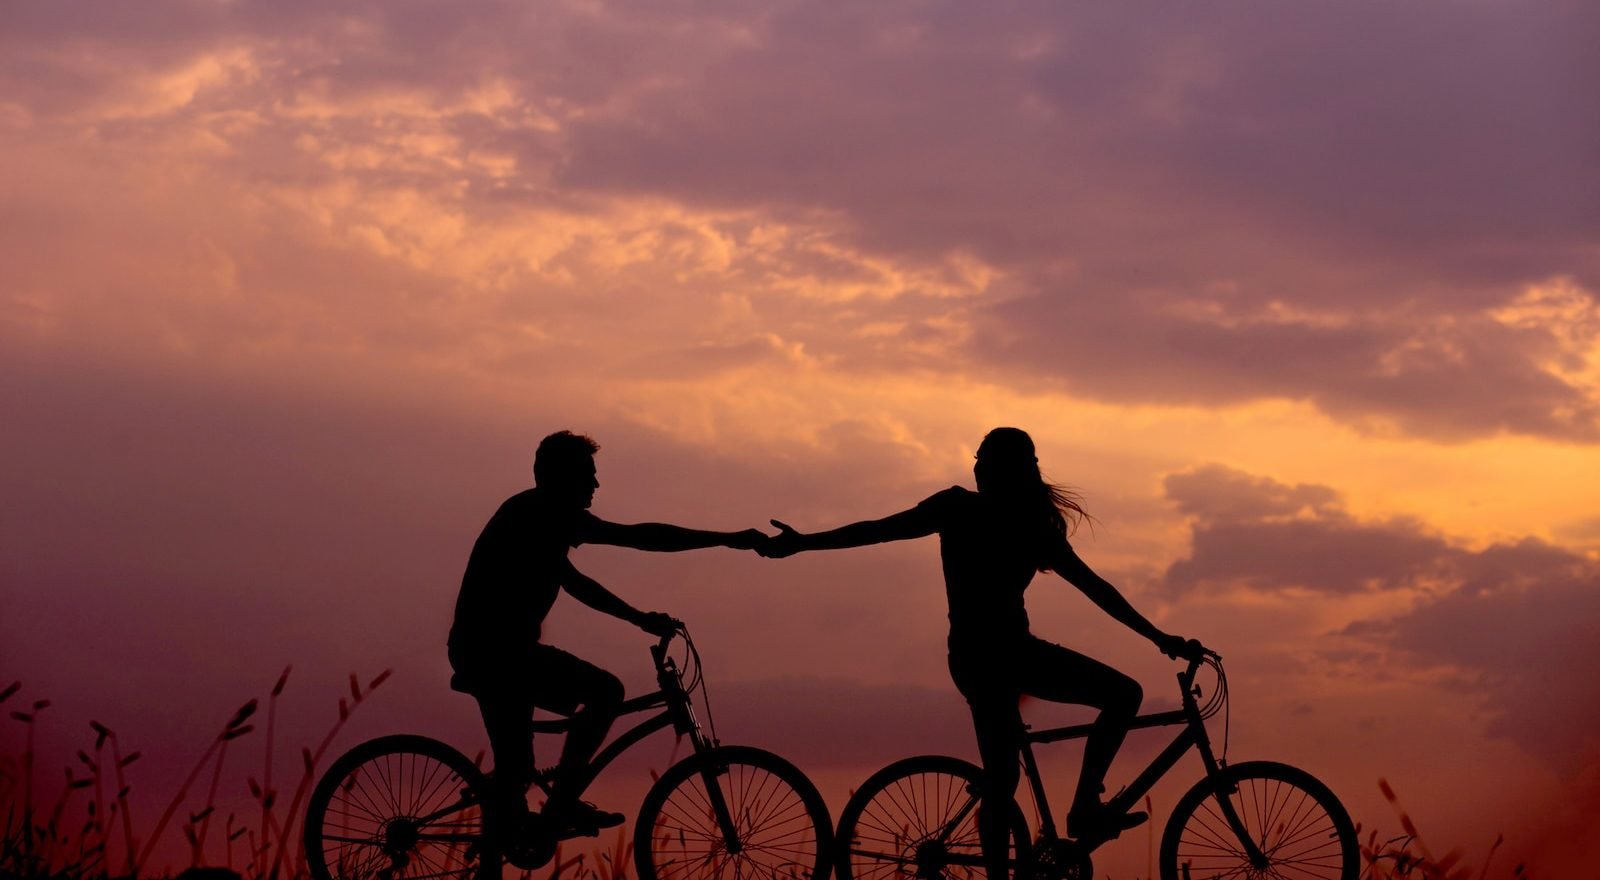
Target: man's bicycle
{"type": "Point", "coordinates": [409, 807]}
{"type": "Point", "coordinates": [917, 818]}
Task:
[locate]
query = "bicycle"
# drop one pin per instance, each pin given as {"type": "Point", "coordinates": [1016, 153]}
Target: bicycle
{"type": "Point", "coordinates": [408, 807]}
{"type": "Point", "coordinates": [917, 817]}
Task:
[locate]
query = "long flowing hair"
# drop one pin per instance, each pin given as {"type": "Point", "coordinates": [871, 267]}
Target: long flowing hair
{"type": "Point", "coordinates": [1009, 455]}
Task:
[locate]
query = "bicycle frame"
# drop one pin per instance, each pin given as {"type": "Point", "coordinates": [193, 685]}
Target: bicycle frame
{"type": "Point", "coordinates": [670, 697]}
{"type": "Point", "coordinates": [1193, 735]}
{"type": "Point", "coordinates": [669, 706]}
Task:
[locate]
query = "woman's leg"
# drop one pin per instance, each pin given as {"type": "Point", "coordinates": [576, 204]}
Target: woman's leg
{"type": "Point", "coordinates": [998, 725]}
{"type": "Point", "coordinates": [1054, 673]}
{"type": "Point", "coordinates": [997, 721]}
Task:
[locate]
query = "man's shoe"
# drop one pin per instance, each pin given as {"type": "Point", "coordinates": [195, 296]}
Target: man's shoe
{"type": "Point", "coordinates": [1102, 823]}
{"type": "Point", "coordinates": [584, 817]}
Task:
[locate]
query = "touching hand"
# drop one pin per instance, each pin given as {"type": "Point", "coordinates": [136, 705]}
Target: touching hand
{"type": "Point", "coordinates": [748, 539]}
{"type": "Point", "coordinates": [660, 625]}
{"type": "Point", "coordinates": [785, 543]}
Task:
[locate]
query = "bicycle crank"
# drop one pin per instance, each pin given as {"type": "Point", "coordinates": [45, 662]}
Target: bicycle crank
{"type": "Point", "coordinates": [1061, 860]}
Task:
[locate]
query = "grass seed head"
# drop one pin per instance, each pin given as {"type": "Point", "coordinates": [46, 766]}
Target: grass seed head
{"type": "Point", "coordinates": [283, 679]}
{"type": "Point", "coordinates": [242, 715]}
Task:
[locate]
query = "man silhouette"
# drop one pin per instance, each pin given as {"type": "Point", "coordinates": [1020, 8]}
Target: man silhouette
{"type": "Point", "coordinates": [517, 567]}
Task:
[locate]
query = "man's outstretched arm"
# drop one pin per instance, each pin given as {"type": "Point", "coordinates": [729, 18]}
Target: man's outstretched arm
{"type": "Point", "coordinates": [663, 537]}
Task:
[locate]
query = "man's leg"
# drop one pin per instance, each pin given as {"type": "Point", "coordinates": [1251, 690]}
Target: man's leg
{"type": "Point", "coordinates": [567, 683]}
{"type": "Point", "coordinates": [508, 719]}
{"type": "Point", "coordinates": [1054, 673]}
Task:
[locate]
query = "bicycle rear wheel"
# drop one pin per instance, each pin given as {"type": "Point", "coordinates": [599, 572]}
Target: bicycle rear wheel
{"type": "Point", "coordinates": [918, 817]}
{"type": "Point", "coordinates": [779, 822]}
{"type": "Point", "coordinates": [1295, 821]}
{"type": "Point", "coordinates": [399, 808]}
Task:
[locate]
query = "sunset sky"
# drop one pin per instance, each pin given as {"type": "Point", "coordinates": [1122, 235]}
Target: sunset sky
{"type": "Point", "coordinates": [1303, 296]}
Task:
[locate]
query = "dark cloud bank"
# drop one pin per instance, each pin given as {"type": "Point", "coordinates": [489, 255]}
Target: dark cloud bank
{"type": "Point", "coordinates": [1518, 623]}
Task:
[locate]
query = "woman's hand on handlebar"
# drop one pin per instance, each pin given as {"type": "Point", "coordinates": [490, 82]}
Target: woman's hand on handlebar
{"type": "Point", "coordinates": [1178, 647]}
{"type": "Point", "coordinates": [660, 625]}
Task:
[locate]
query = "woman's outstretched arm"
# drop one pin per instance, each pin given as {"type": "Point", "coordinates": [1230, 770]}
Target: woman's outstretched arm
{"type": "Point", "coordinates": [914, 523]}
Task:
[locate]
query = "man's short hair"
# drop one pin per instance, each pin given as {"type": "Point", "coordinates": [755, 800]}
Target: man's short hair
{"type": "Point", "coordinates": [559, 452]}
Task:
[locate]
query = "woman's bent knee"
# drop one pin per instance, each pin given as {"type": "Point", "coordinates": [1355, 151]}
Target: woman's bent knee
{"type": "Point", "coordinates": [1130, 694]}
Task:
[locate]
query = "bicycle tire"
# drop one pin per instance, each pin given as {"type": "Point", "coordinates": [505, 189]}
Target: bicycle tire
{"type": "Point", "coordinates": [782, 823]}
{"type": "Point", "coordinates": [1293, 818]}
{"type": "Point", "coordinates": [888, 829]}
{"type": "Point", "coordinates": [397, 807]}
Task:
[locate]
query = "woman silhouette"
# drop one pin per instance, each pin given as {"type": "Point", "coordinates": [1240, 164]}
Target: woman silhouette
{"type": "Point", "coordinates": [991, 542]}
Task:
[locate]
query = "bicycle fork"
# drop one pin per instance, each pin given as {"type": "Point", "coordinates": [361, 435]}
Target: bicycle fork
{"type": "Point", "coordinates": [1194, 736]}
{"type": "Point", "coordinates": [710, 777]}
{"type": "Point", "coordinates": [1224, 796]}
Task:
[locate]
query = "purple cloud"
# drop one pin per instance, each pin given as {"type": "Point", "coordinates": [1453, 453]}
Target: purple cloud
{"type": "Point", "coordinates": [1514, 622]}
{"type": "Point", "coordinates": [1219, 206]}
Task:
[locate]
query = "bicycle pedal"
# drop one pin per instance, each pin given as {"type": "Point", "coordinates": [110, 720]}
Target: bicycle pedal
{"type": "Point", "coordinates": [567, 832]}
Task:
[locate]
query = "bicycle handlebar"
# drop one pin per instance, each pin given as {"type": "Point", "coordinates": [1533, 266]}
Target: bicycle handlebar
{"type": "Point", "coordinates": [659, 649]}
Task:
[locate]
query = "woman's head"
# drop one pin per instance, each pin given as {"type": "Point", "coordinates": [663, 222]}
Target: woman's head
{"type": "Point", "coordinates": [1007, 468]}
{"type": "Point", "coordinates": [1006, 462]}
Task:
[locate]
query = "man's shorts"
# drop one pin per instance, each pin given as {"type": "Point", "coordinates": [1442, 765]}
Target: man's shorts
{"type": "Point", "coordinates": [536, 675]}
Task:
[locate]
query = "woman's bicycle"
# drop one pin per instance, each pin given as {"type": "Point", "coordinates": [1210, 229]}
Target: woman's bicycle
{"type": "Point", "coordinates": [918, 817]}
{"type": "Point", "coordinates": [412, 808]}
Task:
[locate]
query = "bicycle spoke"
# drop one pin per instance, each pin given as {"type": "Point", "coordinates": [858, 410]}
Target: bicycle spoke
{"type": "Point", "coordinates": [394, 809]}
{"type": "Point", "coordinates": [777, 834]}
{"type": "Point", "coordinates": [1288, 816]}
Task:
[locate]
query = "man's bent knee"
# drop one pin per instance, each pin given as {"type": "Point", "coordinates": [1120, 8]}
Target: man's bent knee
{"type": "Point", "coordinates": [604, 698]}
{"type": "Point", "coordinates": [609, 693]}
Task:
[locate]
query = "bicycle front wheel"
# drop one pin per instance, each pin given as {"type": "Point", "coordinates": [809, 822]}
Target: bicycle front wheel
{"type": "Point", "coordinates": [398, 808]}
{"type": "Point", "coordinates": [1297, 826]}
{"type": "Point", "coordinates": [918, 818]}
{"type": "Point", "coordinates": [733, 812]}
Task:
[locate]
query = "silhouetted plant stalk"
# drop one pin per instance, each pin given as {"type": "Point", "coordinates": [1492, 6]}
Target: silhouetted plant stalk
{"type": "Point", "coordinates": [235, 728]}
{"type": "Point", "coordinates": [265, 793]}
{"type": "Point", "coordinates": [131, 846]}
{"type": "Point", "coordinates": [310, 760]}
{"type": "Point", "coordinates": [30, 830]}
{"type": "Point", "coordinates": [1393, 859]}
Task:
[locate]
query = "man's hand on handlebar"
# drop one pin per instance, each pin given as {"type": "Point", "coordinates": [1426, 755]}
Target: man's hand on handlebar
{"type": "Point", "coordinates": [660, 625]}
{"type": "Point", "coordinates": [1178, 647]}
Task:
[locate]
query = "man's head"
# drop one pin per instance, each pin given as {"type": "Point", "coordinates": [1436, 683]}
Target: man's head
{"type": "Point", "coordinates": [563, 466]}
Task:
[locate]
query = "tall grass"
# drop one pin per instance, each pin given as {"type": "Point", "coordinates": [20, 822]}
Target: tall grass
{"type": "Point", "coordinates": [98, 839]}
{"type": "Point", "coordinates": [1408, 857]}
